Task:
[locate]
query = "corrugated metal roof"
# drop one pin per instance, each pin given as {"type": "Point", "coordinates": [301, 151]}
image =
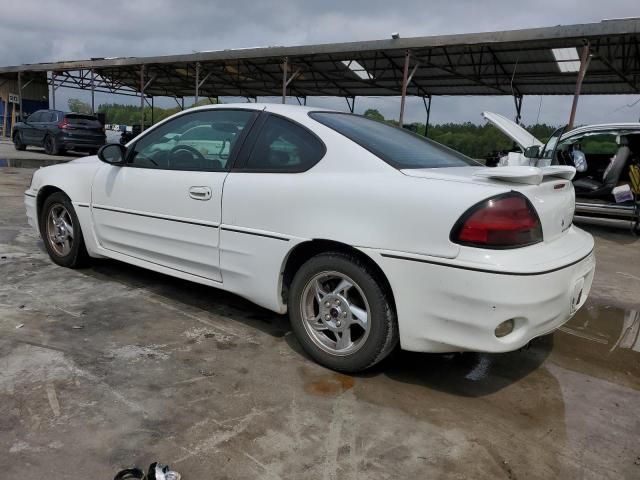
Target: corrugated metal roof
{"type": "Point", "coordinates": [517, 62]}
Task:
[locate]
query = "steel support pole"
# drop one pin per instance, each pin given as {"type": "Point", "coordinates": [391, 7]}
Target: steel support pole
{"type": "Point", "coordinates": [151, 110]}
{"type": "Point", "coordinates": [5, 108]}
{"type": "Point", "coordinates": [20, 94]}
{"type": "Point", "coordinates": [285, 67]}
{"type": "Point", "coordinates": [197, 82]}
{"type": "Point", "coordinates": [585, 58]}
{"type": "Point", "coordinates": [405, 77]}
{"type": "Point", "coordinates": [141, 98]}
{"type": "Point", "coordinates": [427, 106]}
{"type": "Point", "coordinates": [182, 103]}
{"type": "Point", "coordinates": [352, 104]}
{"type": "Point", "coordinates": [53, 90]}
{"type": "Point", "coordinates": [518, 101]}
{"type": "Point", "coordinates": [93, 94]}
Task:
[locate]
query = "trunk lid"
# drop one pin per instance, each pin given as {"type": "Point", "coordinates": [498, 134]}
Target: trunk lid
{"type": "Point", "coordinates": [512, 130]}
{"type": "Point", "coordinates": [549, 189]}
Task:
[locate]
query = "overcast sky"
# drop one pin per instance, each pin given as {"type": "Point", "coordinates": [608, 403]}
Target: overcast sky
{"type": "Point", "coordinates": [52, 30]}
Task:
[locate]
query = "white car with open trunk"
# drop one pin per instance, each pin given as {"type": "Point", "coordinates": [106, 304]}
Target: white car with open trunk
{"type": "Point", "coordinates": [365, 233]}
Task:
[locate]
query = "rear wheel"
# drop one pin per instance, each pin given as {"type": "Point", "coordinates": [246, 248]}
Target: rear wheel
{"type": "Point", "coordinates": [51, 146]}
{"type": "Point", "coordinates": [341, 313]}
{"type": "Point", "coordinates": [60, 230]}
{"type": "Point", "coordinates": [17, 142]}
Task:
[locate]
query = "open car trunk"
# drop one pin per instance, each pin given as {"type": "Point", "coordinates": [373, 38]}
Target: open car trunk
{"type": "Point", "coordinates": [512, 130]}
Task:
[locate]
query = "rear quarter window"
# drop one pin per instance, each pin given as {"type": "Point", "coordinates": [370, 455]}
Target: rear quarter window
{"type": "Point", "coordinates": [284, 146]}
{"type": "Point", "coordinates": [85, 120]}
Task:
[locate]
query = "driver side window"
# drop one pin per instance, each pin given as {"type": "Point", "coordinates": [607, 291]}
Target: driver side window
{"type": "Point", "coordinates": [199, 141]}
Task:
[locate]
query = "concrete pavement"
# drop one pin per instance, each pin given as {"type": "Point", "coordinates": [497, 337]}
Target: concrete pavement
{"type": "Point", "coordinates": [114, 366]}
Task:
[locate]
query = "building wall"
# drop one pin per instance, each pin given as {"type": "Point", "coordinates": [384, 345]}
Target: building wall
{"type": "Point", "coordinates": [35, 96]}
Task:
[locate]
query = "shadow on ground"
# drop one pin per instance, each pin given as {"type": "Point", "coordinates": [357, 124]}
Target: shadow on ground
{"type": "Point", "coordinates": [463, 374]}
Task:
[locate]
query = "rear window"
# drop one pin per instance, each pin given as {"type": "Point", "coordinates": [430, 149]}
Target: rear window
{"type": "Point", "coordinates": [398, 147]}
{"type": "Point", "coordinates": [85, 120]}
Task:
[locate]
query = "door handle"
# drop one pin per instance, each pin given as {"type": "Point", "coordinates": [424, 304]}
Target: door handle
{"type": "Point", "coordinates": [200, 193]}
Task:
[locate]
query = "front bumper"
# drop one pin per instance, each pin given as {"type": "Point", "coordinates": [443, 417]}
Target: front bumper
{"type": "Point", "coordinates": [30, 203]}
{"type": "Point", "coordinates": [444, 308]}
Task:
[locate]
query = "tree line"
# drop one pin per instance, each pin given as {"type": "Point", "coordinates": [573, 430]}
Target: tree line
{"type": "Point", "coordinates": [119, 114]}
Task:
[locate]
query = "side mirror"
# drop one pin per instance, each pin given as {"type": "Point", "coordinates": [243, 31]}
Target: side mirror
{"type": "Point", "coordinates": [112, 153]}
{"type": "Point", "coordinates": [532, 152]}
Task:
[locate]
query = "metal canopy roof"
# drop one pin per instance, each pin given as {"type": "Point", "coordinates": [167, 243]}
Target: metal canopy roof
{"type": "Point", "coordinates": [517, 62]}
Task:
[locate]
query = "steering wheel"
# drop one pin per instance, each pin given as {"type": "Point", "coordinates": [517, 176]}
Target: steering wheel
{"type": "Point", "coordinates": [175, 152]}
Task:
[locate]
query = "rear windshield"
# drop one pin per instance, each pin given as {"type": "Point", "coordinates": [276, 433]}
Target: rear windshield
{"type": "Point", "coordinates": [85, 120]}
{"type": "Point", "coordinates": [398, 147]}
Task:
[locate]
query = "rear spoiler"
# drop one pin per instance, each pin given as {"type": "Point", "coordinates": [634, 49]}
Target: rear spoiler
{"type": "Point", "coordinates": [528, 175]}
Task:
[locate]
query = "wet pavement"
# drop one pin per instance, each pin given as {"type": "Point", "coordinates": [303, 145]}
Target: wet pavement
{"type": "Point", "coordinates": [114, 366]}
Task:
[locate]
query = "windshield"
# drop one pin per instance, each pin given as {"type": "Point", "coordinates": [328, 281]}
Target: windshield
{"type": "Point", "coordinates": [400, 148]}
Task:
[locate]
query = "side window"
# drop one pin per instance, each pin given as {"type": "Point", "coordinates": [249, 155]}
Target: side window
{"type": "Point", "coordinates": [283, 146]}
{"type": "Point", "coordinates": [35, 117]}
{"type": "Point", "coordinates": [200, 141]}
{"type": "Point", "coordinates": [48, 117]}
{"type": "Point", "coordinates": [604, 144]}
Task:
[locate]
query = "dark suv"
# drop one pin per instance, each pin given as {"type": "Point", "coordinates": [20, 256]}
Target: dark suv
{"type": "Point", "coordinates": [59, 131]}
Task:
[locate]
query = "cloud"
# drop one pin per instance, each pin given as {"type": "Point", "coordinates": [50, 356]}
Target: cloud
{"type": "Point", "coordinates": [37, 31]}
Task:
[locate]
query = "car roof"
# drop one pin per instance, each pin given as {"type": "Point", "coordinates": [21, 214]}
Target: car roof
{"type": "Point", "coordinates": [603, 127]}
{"type": "Point", "coordinates": [280, 108]}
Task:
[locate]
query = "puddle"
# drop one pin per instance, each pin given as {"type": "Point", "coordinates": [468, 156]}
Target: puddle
{"type": "Point", "coordinates": [602, 341]}
{"type": "Point", "coordinates": [329, 385]}
{"type": "Point", "coordinates": [28, 162]}
{"type": "Point", "coordinates": [613, 328]}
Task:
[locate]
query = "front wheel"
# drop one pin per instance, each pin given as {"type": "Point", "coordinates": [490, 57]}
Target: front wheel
{"type": "Point", "coordinates": [61, 233]}
{"type": "Point", "coordinates": [341, 313]}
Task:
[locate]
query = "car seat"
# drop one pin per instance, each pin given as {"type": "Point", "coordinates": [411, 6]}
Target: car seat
{"type": "Point", "coordinates": [590, 187]}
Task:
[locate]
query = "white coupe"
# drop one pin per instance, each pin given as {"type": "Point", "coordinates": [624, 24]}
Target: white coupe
{"type": "Point", "coordinates": [368, 235]}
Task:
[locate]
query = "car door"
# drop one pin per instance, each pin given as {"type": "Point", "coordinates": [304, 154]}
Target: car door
{"type": "Point", "coordinates": [29, 127]}
{"type": "Point", "coordinates": [547, 156]}
{"type": "Point", "coordinates": [164, 205]}
{"type": "Point", "coordinates": [42, 126]}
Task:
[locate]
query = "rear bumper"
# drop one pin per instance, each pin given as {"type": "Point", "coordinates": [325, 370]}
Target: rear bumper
{"type": "Point", "coordinates": [75, 141]}
{"type": "Point", "coordinates": [445, 308]}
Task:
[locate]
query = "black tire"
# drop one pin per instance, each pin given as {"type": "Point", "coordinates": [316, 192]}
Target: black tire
{"type": "Point", "coordinates": [383, 326]}
{"type": "Point", "coordinates": [17, 142]}
{"type": "Point", "coordinates": [51, 146]}
{"type": "Point", "coordinates": [77, 257]}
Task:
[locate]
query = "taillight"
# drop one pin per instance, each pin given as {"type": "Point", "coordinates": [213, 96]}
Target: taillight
{"type": "Point", "coordinates": [63, 124]}
{"type": "Point", "coordinates": [504, 221]}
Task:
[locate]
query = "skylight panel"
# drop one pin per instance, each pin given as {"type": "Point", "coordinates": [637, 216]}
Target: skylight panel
{"type": "Point", "coordinates": [358, 69]}
{"type": "Point", "coordinates": [567, 59]}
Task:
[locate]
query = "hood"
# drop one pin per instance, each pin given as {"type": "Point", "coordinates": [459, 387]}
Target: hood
{"type": "Point", "coordinates": [512, 130]}
{"type": "Point", "coordinates": [89, 159]}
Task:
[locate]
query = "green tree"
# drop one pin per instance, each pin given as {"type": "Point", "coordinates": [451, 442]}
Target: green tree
{"type": "Point", "coordinates": [78, 106]}
{"type": "Point", "coordinates": [374, 114]}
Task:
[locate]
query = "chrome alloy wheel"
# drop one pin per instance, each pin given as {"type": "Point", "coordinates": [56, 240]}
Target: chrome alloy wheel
{"type": "Point", "coordinates": [60, 230]}
{"type": "Point", "coordinates": [335, 313]}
